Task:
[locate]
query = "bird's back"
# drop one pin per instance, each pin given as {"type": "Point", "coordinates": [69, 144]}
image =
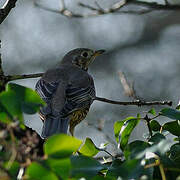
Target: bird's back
{"type": "Point", "coordinates": [68, 92]}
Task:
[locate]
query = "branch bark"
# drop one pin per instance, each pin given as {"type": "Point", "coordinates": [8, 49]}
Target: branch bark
{"type": "Point", "coordinates": [115, 8]}
{"type": "Point", "coordinates": [24, 76]}
{"type": "Point", "coordinates": [6, 8]}
{"type": "Point", "coordinates": [136, 103]}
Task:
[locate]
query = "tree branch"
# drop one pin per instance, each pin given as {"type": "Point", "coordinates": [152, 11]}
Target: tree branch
{"type": "Point", "coordinates": [6, 8]}
{"type": "Point", "coordinates": [115, 8]}
{"type": "Point", "coordinates": [136, 103]}
{"type": "Point", "coordinates": [4, 11]}
{"type": "Point", "coordinates": [1, 70]}
{"type": "Point", "coordinates": [128, 88]}
{"type": "Point", "coordinates": [24, 76]}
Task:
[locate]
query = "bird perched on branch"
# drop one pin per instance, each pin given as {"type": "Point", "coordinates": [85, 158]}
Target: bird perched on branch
{"type": "Point", "coordinates": [68, 91]}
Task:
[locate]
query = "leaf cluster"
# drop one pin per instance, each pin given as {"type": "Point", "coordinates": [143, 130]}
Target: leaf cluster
{"type": "Point", "coordinates": [66, 157]}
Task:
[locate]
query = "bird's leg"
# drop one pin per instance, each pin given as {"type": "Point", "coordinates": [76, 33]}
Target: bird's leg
{"type": "Point", "coordinates": [71, 129]}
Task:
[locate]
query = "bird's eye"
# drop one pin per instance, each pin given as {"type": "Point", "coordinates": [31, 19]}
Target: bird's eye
{"type": "Point", "coordinates": [85, 54]}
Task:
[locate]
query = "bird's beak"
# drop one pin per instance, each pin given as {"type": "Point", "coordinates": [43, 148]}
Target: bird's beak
{"type": "Point", "coordinates": [98, 52]}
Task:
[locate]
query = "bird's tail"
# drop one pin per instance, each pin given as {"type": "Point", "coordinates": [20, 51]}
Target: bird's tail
{"type": "Point", "coordinates": [54, 125]}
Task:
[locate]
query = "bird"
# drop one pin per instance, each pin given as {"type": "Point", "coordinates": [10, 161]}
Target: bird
{"type": "Point", "coordinates": [68, 90]}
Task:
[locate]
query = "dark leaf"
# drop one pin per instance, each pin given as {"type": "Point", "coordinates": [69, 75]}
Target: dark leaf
{"type": "Point", "coordinates": [155, 126]}
{"type": "Point", "coordinates": [170, 113]}
{"type": "Point", "coordinates": [173, 127]}
{"type": "Point", "coordinates": [61, 167]}
{"type": "Point", "coordinates": [113, 170]}
{"type": "Point", "coordinates": [83, 166]}
{"type": "Point", "coordinates": [155, 139]}
{"type": "Point", "coordinates": [160, 148]}
{"type": "Point", "coordinates": [130, 169]}
{"type": "Point", "coordinates": [175, 153]}
{"type": "Point", "coordinates": [29, 99]}
{"type": "Point", "coordinates": [134, 148]}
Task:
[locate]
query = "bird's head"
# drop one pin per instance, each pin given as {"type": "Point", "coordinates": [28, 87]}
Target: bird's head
{"type": "Point", "coordinates": [81, 57]}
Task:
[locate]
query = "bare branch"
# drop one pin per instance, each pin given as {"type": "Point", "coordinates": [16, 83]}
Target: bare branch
{"type": "Point", "coordinates": [154, 5]}
{"type": "Point", "coordinates": [96, 10]}
{"type": "Point", "coordinates": [115, 8]}
{"type": "Point", "coordinates": [1, 70]}
{"type": "Point", "coordinates": [6, 8]}
{"type": "Point", "coordinates": [128, 89]}
{"type": "Point", "coordinates": [24, 76]}
{"type": "Point", "coordinates": [136, 103]}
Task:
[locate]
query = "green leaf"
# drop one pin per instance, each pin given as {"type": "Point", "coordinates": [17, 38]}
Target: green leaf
{"type": "Point", "coordinates": [61, 167]}
{"type": "Point", "coordinates": [4, 118]}
{"type": "Point", "coordinates": [83, 166]}
{"type": "Point", "coordinates": [61, 145]}
{"type": "Point", "coordinates": [178, 106]}
{"type": "Point", "coordinates": [160, 148]}
{"type": "Point", "coordinates": [13, 170]}
{"type": "Point", "coordinates": [37, 172]}
{"type": "Point", "coordinates": [100, 177]}
{"type": "Point", "coordinates": [29, 108]}
{"type": "Point", "coordinates": [173, 127]}
{"type": "Point", "coordinates": [29, 99]}
{"type": "Point", "coordinates": [126, 130]}
{"type": "Point", "coordinates": [117, 127]}
{"type": "Point", "coordinates": [155, 126]}
{"type": "Point", "coordinates": [130, 169]}
{"type": "Point", "coordinates": [10, 105]}
{"type": "Point", "coordinates": [89, 148]}
{"type": "Point", "coordinates": [134, 148]}
{"type": "Point", "coordinates": [170, 113]}
{"type": "Point", "coordinates": [176, 139]}
{"type": "Point", "coordinates": [18, 99]}
{"type": "Point", "coordinates": [113, 170]}
{"type": "Point", "coordinates": [175, 153]}
{"type": "Point", "coordinates": [152, 111]}
{"type": "Point", "coordinates": [155, 139]}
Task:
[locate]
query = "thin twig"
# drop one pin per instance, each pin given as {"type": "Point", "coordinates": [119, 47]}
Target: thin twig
{"type": "Point", "coordinates": [128, 89]}
{"type": "Point", "coordinates": [162, 172]}
{"type": "Point", "coordinates": [13, 146]}
{"type": "Point", "coordinates": [136, 103]}
{"type": "Point", "coordinates": [154, 5]}
{"type": "Point", "coordinates": [147, 119]}
{"type": "Point", "coordinates": [103, 150]}
{"type": "Point", "coordinates": [24, 76]}
{"type": "Point", "coordinates": [6, 8]}
{"type": "Point", "coordinates": [1, 69]}
{"type": "Point", "coordinates": [115, 8]}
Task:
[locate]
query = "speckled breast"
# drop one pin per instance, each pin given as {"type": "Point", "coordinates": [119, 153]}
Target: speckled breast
{"type": "Point", "coordinates": [77, 116]}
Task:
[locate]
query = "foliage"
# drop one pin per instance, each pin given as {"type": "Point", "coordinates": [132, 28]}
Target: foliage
{"type": "Point", "coordinates": [66, 157]}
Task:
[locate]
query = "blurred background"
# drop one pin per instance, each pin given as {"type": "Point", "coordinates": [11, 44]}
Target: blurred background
{"type": "Point", "coordinates": [145, 47]}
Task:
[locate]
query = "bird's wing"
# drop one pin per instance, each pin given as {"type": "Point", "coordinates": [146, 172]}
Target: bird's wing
{"type": "Point", "coordinates": [53, 93]}
{"type": "Point", "coordinates": [46, 89]}
{"type": "Point", "coordinates": [78, 98]}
